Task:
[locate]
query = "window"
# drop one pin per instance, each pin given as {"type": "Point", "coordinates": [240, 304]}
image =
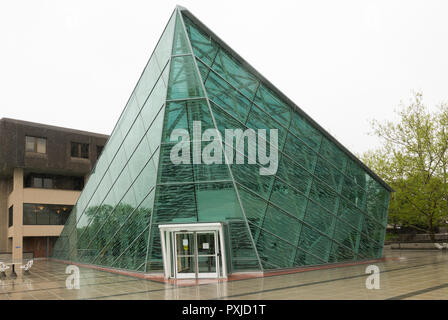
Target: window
{"type": "Point", "coordinates": [10, 216]}
{"type": "Point", "coordinates": [47, 181]}
{"type": "Point", "coordinates": [37, 182]}
{"type": "Point", "coordinates": [45, 214]}
{"type": "Point", "coordinates": [99, 149]}
{"type": "Point", "coordinates": [34, 144]}
{"type": "Point", "coordinates": [80, 150]}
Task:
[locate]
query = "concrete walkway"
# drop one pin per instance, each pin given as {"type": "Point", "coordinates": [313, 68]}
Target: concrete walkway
{"type": "Point", "coordinates": [404, 275]}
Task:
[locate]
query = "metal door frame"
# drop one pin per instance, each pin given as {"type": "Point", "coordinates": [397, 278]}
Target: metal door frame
{"type": "Point", "coordinates": [167, 235]}
{"type": "Point", "coordinates": [190, 275]}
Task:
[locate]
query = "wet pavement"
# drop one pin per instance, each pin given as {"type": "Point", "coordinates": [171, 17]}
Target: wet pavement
{"type": "Point", "coordinates": [404, 274]}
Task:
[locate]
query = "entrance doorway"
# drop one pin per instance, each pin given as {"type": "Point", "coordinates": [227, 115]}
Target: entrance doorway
{"type": "Point", "coordinates": [196, 255]}
{"type": "Point", "coordinates": [193, 251]}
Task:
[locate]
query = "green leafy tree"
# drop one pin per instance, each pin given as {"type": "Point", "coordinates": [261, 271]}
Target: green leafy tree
{"type": "Point", "coordinates": [413, 159]}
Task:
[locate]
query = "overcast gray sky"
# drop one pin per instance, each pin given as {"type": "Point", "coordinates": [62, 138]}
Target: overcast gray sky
{"type": "Point", "coordinates": [75, 63]}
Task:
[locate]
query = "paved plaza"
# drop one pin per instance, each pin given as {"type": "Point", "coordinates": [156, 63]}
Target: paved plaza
{"type": "Point", "coordinates": [403, 275]}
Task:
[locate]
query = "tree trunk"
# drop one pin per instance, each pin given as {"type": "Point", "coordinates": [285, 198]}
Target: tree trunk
{"type": "Point", "coordinates": [432, 236]}
{"type": "Point", "coordinates": [431, 232]}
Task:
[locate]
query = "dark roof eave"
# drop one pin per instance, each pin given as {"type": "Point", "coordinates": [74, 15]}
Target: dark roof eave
{"type": "Point", "coordinates": [56, 128]}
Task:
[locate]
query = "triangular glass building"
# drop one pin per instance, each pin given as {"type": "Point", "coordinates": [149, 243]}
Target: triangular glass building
{"type": "Point", "coordinates": [139, 211]}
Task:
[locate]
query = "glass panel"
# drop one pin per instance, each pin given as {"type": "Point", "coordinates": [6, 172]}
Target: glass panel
{"type": "Point", "coordinates": [175, 118]}
{"type": "Point", "coordinates": [42, 215]}
{"type": "Point", "coordinates": [48, 183]}
{"type": "Point", "coordinates": [329, 174]}
{"type": "Point", "coordinates": [373, 229]}
{"type": "Point", "coordinates": [324, 195]}
{"type": "Point", "coordinates": [243, 256]}
{"type": "Point", "coordinates": [112, 145]}
{"type": "Point", "coordinates": [282, 225]}
{"type": "Point", "coordinates": [175, 203]}
{"type": "Point", "coordinates": [154, 134]}
{"type": "Point", "coordinates": [74, 150]}
{"type": "Point", "coordinates": [254, 206]}
{"type": "Point", "coordinates": [145, 181]}
{"type": "Point", "coordinates": [213, 171]}
{"type": "Point", "coordinates": [333, 154]}
{"type": "Point", "coordinates": [153, 105]}
{"type": "Point", "coordinates": [180, 115]}
{"type": "Point", "coordinates": [139, 158]}
{"type": "Point", "coordinates": [185, 244]}
{"type": "Point", "coordinates": [41, 145]}
{"type": "Point", "coordinates": [186, 264]}
{"type": "Point", "coordinates": [180, 44]}
{"type": "Point", "coordinates": [257, 119]}
{"type": "Point", "coordinates": [29, 214]}
{"type": "Point", "coordinates": [227, 98]}
{"type": "Point", "coordinates": [305, 131]}
{"type": "Point", "coordinates": [154, 260]}
{"type": "Point", "coordinates": [135, 255]}
{"type": "Point", "coordinates": [147, 81]}
{"type": "Point", "coordinates": [273, 105]}
{"type": "Point", "coordinates": [164, 47]}
{"type": "Point", "coordinates": [128, 116]}
{"type": "Point", "coordinates": [350, 214]}
{"type": "Point", "coordinates": [29, 144]}
{"type": "Point", "coordinates": [376, 190]}
{"type": "Point", "coordinates": [184, 79]}
{"type": "Point", "coordinates": [354, 193]}
{"type": "Point", "coordinates": [85, 151]}
{"type": "Point", "coordinates": [118, 163]}
{"type": "Point", "coordinates": [171, 172]}
{"type": "Point", "coordinates": [10, 216]}
{"type": "Point", "coordinates": [217, 202]}
{"type": "Point", "coordinates": [346, 235]}
{"type": "Point", "coordinates": [206, 243]}
{"type": "Point", "coordinates": [316, 244]}
{"type": "Point", "coordinates": [289, 199]}
{"type": "Point", "coordinates": [120, 230]}
{"type": "Point", "coordinates": [319, 218]}
{"type": "Point", "coordinates": [274, 253]}
{"type": "Point", "coordinates": [294, 175]}
{"type": "Point", "coordinates": [302, 258]}
{"type": "Point", "coordinates": [340, 253]}
{"type": "Point", "coordinates": [207, 264]}
{"type": "Point", "coordinates": [249, 176]}
{"type": "Point", "coordinates": [122, 185]}
{"type": "Point", "coordinates": [203, 69]}
{"type": "Point", "coordinates": [225, 121]}
{"type": "Point", "coordinates": [37, 182]}
{"type": "Point", "coordinates": [55, 216]}
{"type": "Point", "coordinates": [228, 68]}
{"type": "Point", "coordinates": [354, 171]}
{"type": "Point", "coordinates": [300, 152]}
{"type": "Point", "coordinates": [134, 136]}
{"type": "Point", "coordinates": [203, 45]}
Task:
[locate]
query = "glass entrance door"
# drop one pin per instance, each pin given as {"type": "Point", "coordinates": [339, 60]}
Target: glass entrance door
{"type": "Point", "coordinates": [207, 254]}
{"type": "Point", "coordinates": [185, 255]}
{"type": "Point", "coordinates": [196, 254]}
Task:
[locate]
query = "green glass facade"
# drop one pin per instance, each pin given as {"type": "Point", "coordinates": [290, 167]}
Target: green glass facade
{"type": "Point", "coordinates": [322, 206]}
